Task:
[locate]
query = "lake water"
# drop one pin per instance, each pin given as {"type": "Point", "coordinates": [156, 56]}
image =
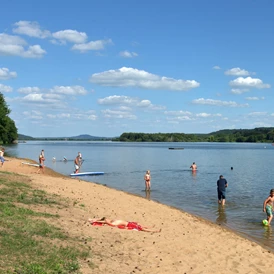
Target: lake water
{"type": "Point", "coordinates": [172, 181]}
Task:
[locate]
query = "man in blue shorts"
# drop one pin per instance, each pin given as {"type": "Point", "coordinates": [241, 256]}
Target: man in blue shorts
{"type": "Point", "coordinates": [221, 188]}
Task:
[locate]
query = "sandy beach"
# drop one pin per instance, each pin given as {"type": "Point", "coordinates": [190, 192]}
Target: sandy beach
{"type": "Point", "coordinates": [186, 244]}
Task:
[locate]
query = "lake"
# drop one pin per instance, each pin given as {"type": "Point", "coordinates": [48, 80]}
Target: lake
{"type": "Point", "coordinates": [172, 181]}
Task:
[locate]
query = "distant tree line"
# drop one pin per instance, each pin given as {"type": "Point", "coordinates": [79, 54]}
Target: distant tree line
{"type": "Point", "coordinates": [8, 130]}
{"type": "Point", "coordinates": [257, 135]}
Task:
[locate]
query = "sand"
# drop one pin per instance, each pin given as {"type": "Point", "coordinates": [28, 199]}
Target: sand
{"type": "Point", "coordinates": [186, 244]}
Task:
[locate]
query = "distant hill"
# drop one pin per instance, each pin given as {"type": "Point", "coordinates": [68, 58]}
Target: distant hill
{"type": "Point", "coordinates": [82, 137]}
{"type": "Point", "coordinates": [22, 137]}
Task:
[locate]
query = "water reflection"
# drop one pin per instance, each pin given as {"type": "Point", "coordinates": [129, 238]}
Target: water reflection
{"type": "Point", "coordinates": [267, 233]}
{"type": "Point", "coordinates": [147, 194]}
{"type": "Point", "coordinates": [222, 218]}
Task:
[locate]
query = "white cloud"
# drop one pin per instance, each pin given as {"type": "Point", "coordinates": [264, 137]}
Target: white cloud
{"type": "Point", "coordinates": [31, 29]}
{"type": "Point", "coordinates": [128, 101]}
{"type": "Point", "coordinates": [128, 54]}
{"type": "Point", "coordinates": [16, 46]}
{"type": "Point", "coordinates": [34, 52]}
{"type": "Point", "coordinates": [72, 36]}
{"type": "Point", "coordinates": [4, 88]}
{"type": "Point", "coordinates": [92, 117]}
{"type": "Point", "coordinates": [178, 113]}
{"type": "Point", "coordinates": [249, 82]}
{"type": "Point", "coordinates": [69, 90]}
{"type": "Point", "coordinates": [216, 67]}
{"type": "Point", "coordinates": [118, 114]}
{"type": "Point", "coordinates": [202, 101]}
{"type": "Point", "coordinates": [130, 77]}
{"type": "Point", "coordinates": [258, 113]}
{"type": "Point", "coordinates": [117, 100]}
{"type": "Point", "coordinates": [237, 72]}
{"type": "Point", "coordinates": [92, 45]}
{"type": "Point", "coordinates": [42, 98]}
{"type": "Point", "coordinates": [28, 90]}
{"type": "Point", "coordinates": [239, 90]}
{"type": "Point", "coordinates": [5, 74]}
{"type": "Point", "coordinates": [206, 115]}
{"type": "Point", "coordinates": [254, 98]}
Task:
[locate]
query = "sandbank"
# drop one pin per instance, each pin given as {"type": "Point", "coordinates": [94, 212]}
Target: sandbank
{"type": "Point", "coordinates": [186, 244]}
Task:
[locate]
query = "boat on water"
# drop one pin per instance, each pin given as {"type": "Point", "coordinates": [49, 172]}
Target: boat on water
{"type": "Point", "coordinates": [175, 148]}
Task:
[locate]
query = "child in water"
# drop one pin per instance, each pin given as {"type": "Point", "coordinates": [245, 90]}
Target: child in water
{"type": "Point", "coordinates": [147, 180]}
{"type": "Point", "coordinates": [268, 206]}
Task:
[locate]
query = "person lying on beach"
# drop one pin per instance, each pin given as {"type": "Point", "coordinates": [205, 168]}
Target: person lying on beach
{"type": "Point", "coordinates": [123, 224]}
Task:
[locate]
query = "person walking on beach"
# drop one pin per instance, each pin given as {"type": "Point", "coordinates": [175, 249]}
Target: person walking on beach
{"type": "Point", "coordinates": [123, 224]}
{"type": "Point", "coordinates": [268, 206]}
{"type": "Point", "coordinates": [147, 180]}
{"type": "Point", "coordinates": [77, 163]}
{"type": "Point", "coordinates": [221, 189]}
{"type": "Point", "coordinates": [193, 167]}
{"type": "Point", "coordinates": [41, 161]}
{"type": "Point", "coordinates": [2, 159]}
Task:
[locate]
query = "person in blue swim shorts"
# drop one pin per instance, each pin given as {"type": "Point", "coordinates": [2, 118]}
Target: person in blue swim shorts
{"type": "Point", "coordinates": [268, 206]}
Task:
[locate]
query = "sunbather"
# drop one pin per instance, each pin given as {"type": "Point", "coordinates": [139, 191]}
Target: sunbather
{"type": "Point", "coordinates": [123, 224]}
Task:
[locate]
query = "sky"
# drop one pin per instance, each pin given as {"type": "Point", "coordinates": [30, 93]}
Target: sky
{"type": "Point", "coordinates": [104, 67]}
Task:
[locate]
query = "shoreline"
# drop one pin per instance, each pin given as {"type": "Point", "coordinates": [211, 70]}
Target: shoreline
{"type": "Point", "coordinates": [186, 244]}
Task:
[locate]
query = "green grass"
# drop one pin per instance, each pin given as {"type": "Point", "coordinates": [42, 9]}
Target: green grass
{"type": "Point", "coordinates": [29, 242]}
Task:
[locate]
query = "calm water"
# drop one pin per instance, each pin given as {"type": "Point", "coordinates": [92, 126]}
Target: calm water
{"type": "Point", "coordinates": [172, 181]}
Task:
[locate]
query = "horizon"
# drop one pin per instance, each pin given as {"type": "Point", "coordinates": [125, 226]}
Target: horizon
{"type": "Point", "coordinates": [113, 67]}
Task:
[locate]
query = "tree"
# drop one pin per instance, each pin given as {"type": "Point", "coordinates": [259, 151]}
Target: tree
{"type": "Point", "coordinates": [8, 130]}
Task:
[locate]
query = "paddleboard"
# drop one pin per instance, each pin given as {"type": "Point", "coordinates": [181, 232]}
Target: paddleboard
{"type": "Point", "coordinates": [87, 173]}
{"type": "Point", "coordinates": [30, 164]}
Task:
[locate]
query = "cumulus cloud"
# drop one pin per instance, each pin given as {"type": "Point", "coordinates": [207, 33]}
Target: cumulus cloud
{"type": "Point", "coordinates": [124, 101]}
{"type": "Point", "coordinates": [211, 102]}
{"type": "Point", "coordinates": [181, 115]}
{"type": "Point", "coordinates": [254, 98]}
{"type": "Point", "coordinates": [108, 113]}
{"type": "Point", "coordinates": [4, 88]}
{"type": "Point", "coordinates": [216, 67]}
{"type": "Point", "coordinates": [92, 45]}
{"type": "Point", "coordinates": [258, 113]}
{"type": "Point", "coordinates": [130, 77]}
{"type": "Point", "coordinates": [239, 90]}
{"type": "Point", "coordinates": [43, 99]}
{"type": "Point", "coordinates": [28, 90]}
{"type": "Point", "coordinates": [248, 82]}
{"type": "Point", "coordinates": [5, 74]}
{"type": "Point", "coordinates": [69, 90]}
{"type": "Point", "coordinates": [128, 54]}
{"type": "Point", "coordinates": [11, 45]}
{"type": "Point", "coordinates": [31, 29]}
{"type": "Point", "coordinates": [237, 72]}
{"type": "Point", "coordinates": [72, 36]}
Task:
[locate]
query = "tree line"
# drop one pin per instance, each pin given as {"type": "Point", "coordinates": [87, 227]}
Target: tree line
{"type": "Point", "coordinates": [8, 130]}
{"type": "Point", "coordinates": [256, 135]}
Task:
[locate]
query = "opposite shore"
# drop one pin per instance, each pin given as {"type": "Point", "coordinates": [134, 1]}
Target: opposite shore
{"type": "Point", "coordinates": [186, 244]}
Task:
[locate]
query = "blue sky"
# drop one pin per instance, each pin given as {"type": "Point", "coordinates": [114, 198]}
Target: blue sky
{"type": "Point", "coordinates": [107, 67]}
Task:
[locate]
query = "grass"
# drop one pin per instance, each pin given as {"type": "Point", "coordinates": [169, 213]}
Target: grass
{"type": "Point", "coordinates": [30, 243]}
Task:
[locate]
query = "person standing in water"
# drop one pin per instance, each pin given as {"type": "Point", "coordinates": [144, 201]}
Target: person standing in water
{"type": "Point", "coordinates": [147, 180]}
{"type": "Point", "coordinates": [221, 189]}
{"type": "Point", "coordinates": [268, 206]}
{"type": "Point", "coordinates": [41, 161]}
{"type": "Point", "coordinates": [77, 163]}
{"type": "Point", "coordinates": [193, 167]}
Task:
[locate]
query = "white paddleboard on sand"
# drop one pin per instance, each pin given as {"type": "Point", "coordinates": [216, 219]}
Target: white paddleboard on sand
{"type": "Point", "coordinates": [87, 173]}
{"type": "Point", "coordinates": [30, 164]}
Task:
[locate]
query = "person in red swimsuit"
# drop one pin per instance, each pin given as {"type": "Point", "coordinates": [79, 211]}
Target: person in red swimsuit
{"type": "Point", "coordinates": [124, 224]}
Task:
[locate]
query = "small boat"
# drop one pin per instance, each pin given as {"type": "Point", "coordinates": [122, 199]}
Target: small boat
{"type": "Point", "coordinates": [175, 148]}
